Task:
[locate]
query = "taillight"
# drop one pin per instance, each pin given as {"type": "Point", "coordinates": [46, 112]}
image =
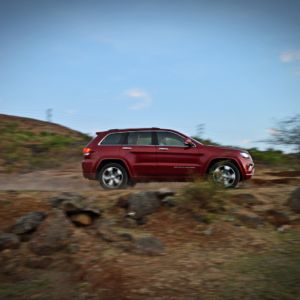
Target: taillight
{"type": "Point", "coordinates": [87, 151]}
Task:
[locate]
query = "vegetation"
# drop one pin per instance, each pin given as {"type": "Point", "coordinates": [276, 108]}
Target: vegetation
{"type": "Point", "coordinates": [202, 194]}
{"type": "Point", "coordinates": [269, 157]}
{"type": "Point", "coordinates": [287, 133]}
{"type": "Point", "coordinates": [24, 148]}
{"type": "Point", "coordinates": [269, 276]}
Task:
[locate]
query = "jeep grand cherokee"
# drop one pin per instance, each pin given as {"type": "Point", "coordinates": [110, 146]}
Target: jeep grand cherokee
{"type": "Point", "coordinates": [122, 157]}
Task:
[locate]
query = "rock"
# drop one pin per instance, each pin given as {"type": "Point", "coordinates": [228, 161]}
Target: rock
{"type": "Point", "coordinates": [53, 235]}
{"type": "Point", "coordinates": [208, 231]}
{"type": "Point", "coordinates": [284, 228]}
{"type": "Point", "coordinates": [142, 203]}
{"type": "Point", "coordinates": [9, 241]}
{"type": "Point", "coordinates": [107, 233]}
{"type": "Point", "coordinates": [249, 219]}
{"type": "Point", "coordinates": [28, 223]}
{"type": "Point", "coordinates": [38, 262]}
{"type": "Point", "coordinates": [142, 221]}
{"type": "Point", "coordinates": [80, 214]}
{"type": "Point", "coordinates": [75, 198]}
{"type": "Point", "coordinates": [164, 192]}
{"type": "Point", "coordinates": [277, 218]}
{"type": "Point", "coordinates": [123, 201]}
{"type": "Point", "coordinates": [246, 199]}
{"type": "Point", "coordinates": [81, 219]}
{"type": "Point", "coordinates": [148, 246]}
{"type": "Point", "coordinates": [72, 207]}
{"type": "Point", "coordinates": [169, 201]}
{"type": "Point", "coordinates": [294, 200]}
{"type": "Point", "coordinates": [129, 223]}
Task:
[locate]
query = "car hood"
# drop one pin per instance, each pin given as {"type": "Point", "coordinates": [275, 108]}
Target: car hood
{"type": "Point", "coordinates": [226, 148]}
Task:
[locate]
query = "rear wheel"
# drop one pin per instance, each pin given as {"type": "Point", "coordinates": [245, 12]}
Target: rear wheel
{"type": "Point", "coordinates": [225, 174]}
{"type": "Point", "coordinates": [113, 176]}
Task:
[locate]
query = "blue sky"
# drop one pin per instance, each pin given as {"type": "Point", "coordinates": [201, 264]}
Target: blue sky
{"type": "Point", "coordinates": [232, 65]}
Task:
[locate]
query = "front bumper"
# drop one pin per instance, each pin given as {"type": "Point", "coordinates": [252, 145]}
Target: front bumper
{"type": "Point", "coordinates": [247, 168]}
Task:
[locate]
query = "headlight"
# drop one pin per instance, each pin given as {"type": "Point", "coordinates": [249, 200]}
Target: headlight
{"type": "Point", "coordinates": [245, 154]}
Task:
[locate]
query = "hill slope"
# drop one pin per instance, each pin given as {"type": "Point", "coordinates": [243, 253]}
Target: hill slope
{"type": "Point", "coordinates": [28, 144]}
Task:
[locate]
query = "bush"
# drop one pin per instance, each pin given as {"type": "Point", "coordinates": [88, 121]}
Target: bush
{"type": "Point", "coordinates": [203, 194]}
{"type": "Point", "coordinates": [269, 156]}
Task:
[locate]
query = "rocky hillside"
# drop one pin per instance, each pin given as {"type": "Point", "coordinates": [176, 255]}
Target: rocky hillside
{"type": "Point", "coordinates": [28, 144]}
{"type": "Point", "coordinates": [152, 242]}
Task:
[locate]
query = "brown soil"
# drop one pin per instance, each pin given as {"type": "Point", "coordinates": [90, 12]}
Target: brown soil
{"type": "Point", "coordinates": [195, 265]}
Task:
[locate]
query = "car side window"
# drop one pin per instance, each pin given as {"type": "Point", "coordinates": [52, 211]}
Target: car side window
{"type": "Point", "coordinates": [140, 138]}
{"type": "Point", "coordinates": [114, 139]}
{"type": "Point", "coordinates": [166, 138]}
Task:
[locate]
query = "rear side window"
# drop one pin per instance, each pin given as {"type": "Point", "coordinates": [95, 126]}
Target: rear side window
{"type": "Point", "coordinates": [166, 138]}
{"type": "Point", "coordinates": [114, 139]}
{"type": "Point", "coordinates": [140, 138]}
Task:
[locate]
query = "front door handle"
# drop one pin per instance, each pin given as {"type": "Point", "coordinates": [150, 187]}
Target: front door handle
{"type": "Point", "coordinates": [163, 149]}
{"type": "Point", "coordinates": [126, 148]}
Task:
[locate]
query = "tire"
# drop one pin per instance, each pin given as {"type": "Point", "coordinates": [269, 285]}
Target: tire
{"type": "Point", "coordinates": [225, 174]}
{"type": "Point", "coordinates": [113, 176]}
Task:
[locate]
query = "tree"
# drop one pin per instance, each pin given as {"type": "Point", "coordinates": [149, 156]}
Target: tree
{"type": "Point", "coordinates": [286, 133]}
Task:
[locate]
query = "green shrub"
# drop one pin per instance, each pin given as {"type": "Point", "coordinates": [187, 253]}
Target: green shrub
{"type": "Point", "coordinates": [203, 194]}
{"type": "Point", "coordinates": [269, 156]}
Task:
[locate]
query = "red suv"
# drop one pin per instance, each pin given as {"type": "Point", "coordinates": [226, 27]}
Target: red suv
{"type": "Point", "coordinates": [122, 157]}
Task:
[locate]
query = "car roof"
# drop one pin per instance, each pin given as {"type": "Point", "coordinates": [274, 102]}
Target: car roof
{"type": "Point", "coordinates": [136, 129]}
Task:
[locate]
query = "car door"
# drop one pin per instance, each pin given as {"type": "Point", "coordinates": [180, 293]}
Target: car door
{"type": "Point", "coordinates": [174, 158]}
{"type": "Point", "coordinates": [140, 153]}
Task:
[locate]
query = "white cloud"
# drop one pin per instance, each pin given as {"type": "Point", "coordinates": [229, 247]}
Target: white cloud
{"type": "Point", "coordinates": [272, 131]}
{"type": "Point", "coordinates": [246, 141]}
{"type": "Point", "coordinates": [142, 98]}
{"type": "Point", "coordinates": [289, 56]}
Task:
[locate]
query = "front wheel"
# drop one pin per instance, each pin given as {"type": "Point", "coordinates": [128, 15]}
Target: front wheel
{"type": "Point", "coordinates": [225, 174]}
{"type": "Point", "coordinates": [113, 176]}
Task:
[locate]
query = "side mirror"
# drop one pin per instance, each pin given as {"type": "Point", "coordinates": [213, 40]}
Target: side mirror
{"type": "Point", "coordinates": [189, 143]}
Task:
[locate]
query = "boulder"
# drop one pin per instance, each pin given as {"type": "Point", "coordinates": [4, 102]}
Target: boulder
{"type": "Point", "coordinates": [75, 198]}
{"type": "Point", "coordinates": [53, 235]}
{"type": "Point", "coordinates": [142, 203]}
{"type": "Point", "coordinates": [148, 246]}
{"type": "Point", "coordinates": [249, 219]}
{"type": "Point", "coordinates": [109, 235]}
{"type": "Point", "coordinates": [28, 223]}
{"type": "Point", "coordinates": [164, 192]}
{"type": "Point", "coordinates": [169, 201]}
{"type": "Point", "coordinates": [81, 219]}
{"type": "Point", "coordinates": [294, 200]}
{"type": "Point", "coordinates": [78, 212]}
{"type": "Point", "coordinates": [277, 218]}
{"type": "Point", "coordinates": [123, 201]}
{"type": "Point", "coordinates": [9, 241]}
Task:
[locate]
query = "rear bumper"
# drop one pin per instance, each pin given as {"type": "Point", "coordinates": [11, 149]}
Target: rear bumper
{"type": "Point", "coordinates": [87, 169]}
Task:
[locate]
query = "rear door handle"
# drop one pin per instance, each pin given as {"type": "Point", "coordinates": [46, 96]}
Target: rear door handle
{"type": "Point", "coordinates": [126, 148]}
{"type": "Point", "coordinates": [163, 149]}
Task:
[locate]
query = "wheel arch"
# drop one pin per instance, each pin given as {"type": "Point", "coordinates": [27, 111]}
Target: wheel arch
{"type": "Point", "coordinates": [216, 160]}
{"type": "Point", "coordinates": [103, 162]}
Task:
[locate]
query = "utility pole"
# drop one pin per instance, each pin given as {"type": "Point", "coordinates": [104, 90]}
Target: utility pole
{"type": "Point", "coordinates": [200, 129]}
{"type": "Point", "coordinates": [49, 115]}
